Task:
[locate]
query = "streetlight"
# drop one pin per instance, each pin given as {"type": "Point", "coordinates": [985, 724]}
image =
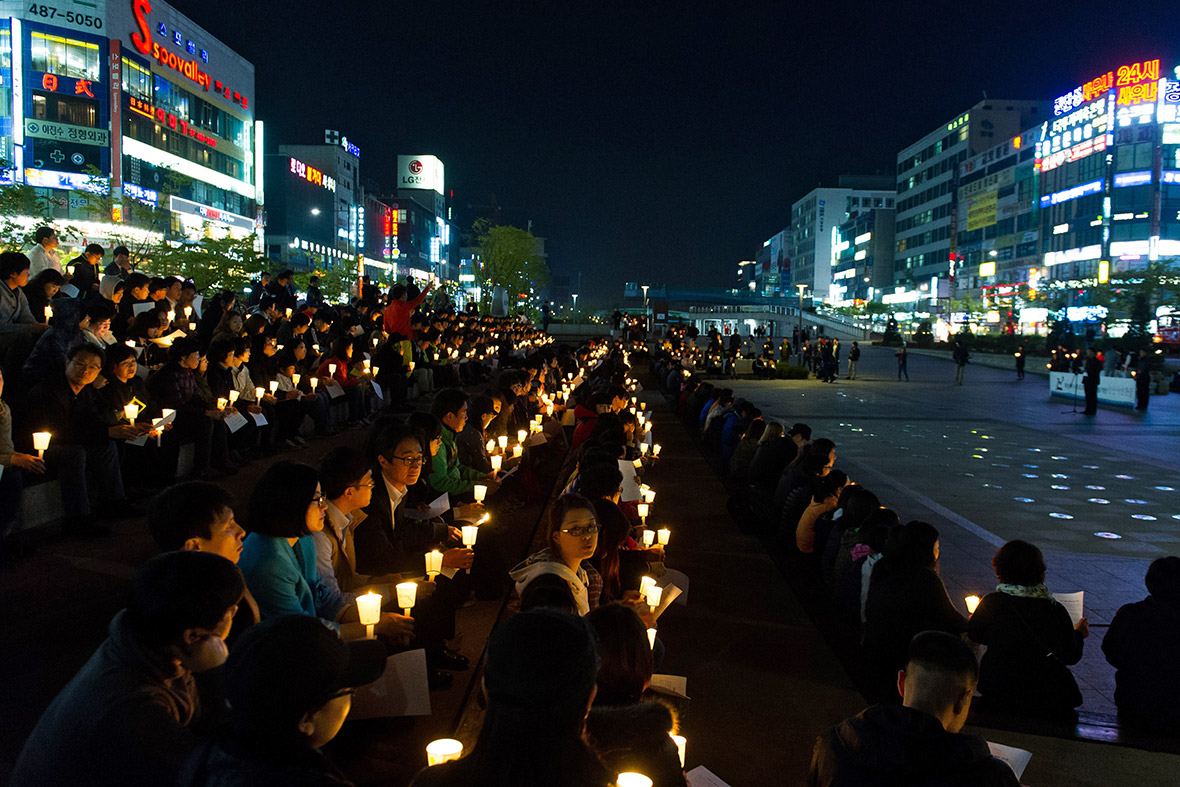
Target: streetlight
{"type": "Point", "coordinates": [644, 288]}
{"type": "Point", "coordinates": [315, 211]}
{"type": "Point", "coordinates": [575, 297]}
{"type": "Point", "coordinates": [801, 287]}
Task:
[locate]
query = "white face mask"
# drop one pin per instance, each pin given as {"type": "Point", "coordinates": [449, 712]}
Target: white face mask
{"type": "Point", "coordinates": [209, 652]}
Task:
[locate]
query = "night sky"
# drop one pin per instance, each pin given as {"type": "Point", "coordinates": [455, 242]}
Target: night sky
{"type": "Point", "coordinates": [655, 141]}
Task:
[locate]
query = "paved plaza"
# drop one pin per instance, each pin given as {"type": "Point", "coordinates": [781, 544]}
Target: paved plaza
{"type": "Point", "coordinates": [997, 459]}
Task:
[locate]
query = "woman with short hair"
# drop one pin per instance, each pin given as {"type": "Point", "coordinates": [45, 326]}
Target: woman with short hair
{"type": "Point", "coordinates": [1031, 639]}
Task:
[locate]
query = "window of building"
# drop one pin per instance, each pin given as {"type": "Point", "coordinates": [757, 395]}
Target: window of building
{"type": "Point", "coordinates": [65, 57]}
{"type": "Point", "coordinates": [75, 110]}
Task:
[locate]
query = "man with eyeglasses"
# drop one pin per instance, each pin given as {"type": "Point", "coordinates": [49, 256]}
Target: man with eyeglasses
{"type": "Point", "coordinates": [82, 451]}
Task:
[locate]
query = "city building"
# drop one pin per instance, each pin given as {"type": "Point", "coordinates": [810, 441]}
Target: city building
{"type": "Point", "coordinates": [425, 243]}
{"type": "Point", "coordinates": [315, 214]}
{"type": "Point", "coordinates": [769, 273]}
{"type": "Point", "coordinates": [862, 257]}
{"type": "Point", "coordinates": [996, 234]}
{"type": "Point", "coordinates": [812, 220]}
{"type": "Point", "coordinates": [926, 172]}
{"type": "Point", "coordinates": [1109, 163]}
{"type": "Point", "coordinates": [138, 98]}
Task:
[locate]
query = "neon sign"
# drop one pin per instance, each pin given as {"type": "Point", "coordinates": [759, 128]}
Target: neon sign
{"type": "Point", "coordinates": [1065, 195]}
{"type": "Point", "coordinates": [1126, 78]}
{"type": "Point", "coordinates": [191, 69]}
{"type": "Point", "coordinates": [312, 175]}
{"type": "Point", "coordinates": [179, 125]}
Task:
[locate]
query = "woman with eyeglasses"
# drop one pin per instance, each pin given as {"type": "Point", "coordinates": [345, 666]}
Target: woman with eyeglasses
{"type": "Point", "coordinates": [571, 539]}
{"type": "Point", "coordinates": [279, 557]}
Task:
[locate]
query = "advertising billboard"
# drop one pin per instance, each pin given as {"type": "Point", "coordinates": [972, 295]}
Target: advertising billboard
{"type": "Point", "coordinates": [420, 172]}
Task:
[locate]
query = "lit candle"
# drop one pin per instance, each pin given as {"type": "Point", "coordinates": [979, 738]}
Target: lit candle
{"type": "Point", "coordinates": [491, 446]}
{"type": "Point", "coordinates": [680, 743]}
{"type": "Point", "coordinates": [376, 370]}
{"type": "Point", "coordinates": [433, 564]}
{"type": "Point", "coordinates": [131, 410]}
{"type": "Point", "coordinates": [631, 779]}
{"type": "Point", "coordinates": [517, 451]}
{"type": "Point", "coordinates": [644, 510]}
{"type": "Point", "coordinates": [273, 385]}
{"type": "Point", "coordinates": [649, 537]}
{"type": "Point", "coordinates": [259, 393]}
{"type": "Point", "coordinates": [503, 441]}
{"type": "Point", "coordinates": [314, 382]}
{"type": "Point", "coordinates": [48, 312]}
{"type": "Point", "coordinates": [521, 434]}
{"type": "Point", "coordinates": [222, 403]}
{"type": "Point", "coordinates": [443, 750]}
{"type": "Point", "coordinates": [233, 397]}
{"type": "Point", "coordinates": [654, 594]}
{"type": "Point", "coordinates": [655, 449]}
{"type": "Point", "coordinates": [368, 609]}
{"type": "Point", "coordinates": [643, 449]}
{"type": "Point", "coordinates": [130, 343]}
{"type": "Point", "coordinates": [331, 370]}
{"type": "Point", "coordinates": [651, 639]}
{"type": "Point", "coordinates": [41, 442]}
{"type": "Point", "coordinates": [407, 592]}
{"type": "Point", "coordinates": [662, 535]}
{"type": "Point", "coordinates": [638, 463]}
{"type": "Point", "coordinates": [649, 494]}
{"type": "Point", "coordinates": [295, 378]}
{"type": "Point", "coordinates": [288, 313]}
{"type": "Point", "coordinates": [972, 603]}
{"type": "Point", "coordinates": [192, 326]}
{"type": "Point", "coordinates": [188, 311]}
{"type": "Point", "coordinates": [481, 491]}
{"type": "Point", "coordinates": [645, 584]}
{"type": "Point", "coordinates": [470, 533]}
{"type": "Point", "coordinates": [497, 462]}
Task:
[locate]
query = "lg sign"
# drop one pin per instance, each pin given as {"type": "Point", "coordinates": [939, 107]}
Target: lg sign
{"type": "Point", "coordinates": [420, 172]}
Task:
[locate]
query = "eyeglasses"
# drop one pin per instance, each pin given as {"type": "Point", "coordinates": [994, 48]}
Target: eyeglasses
{"type": "Point", "coordinates": [582, 532]}
{"type": "Point", "coordinates": [320, 500]}
{"type": "Point", "coordinates": [369, 485]}
{"type": "Point", "coordinates": [411, 461]}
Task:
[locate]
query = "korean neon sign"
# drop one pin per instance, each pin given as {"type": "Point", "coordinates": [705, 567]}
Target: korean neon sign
{"type": "Point", "coordinates": [191, 69]}
{"type": "Point", "coordinates": [163, 117]}
{"type": "Point", "coordinates": [1126, 78]}
{"type": "Point", "coordinates": [312, 175]}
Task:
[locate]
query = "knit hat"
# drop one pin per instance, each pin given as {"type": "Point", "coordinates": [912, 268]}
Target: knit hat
{"type": "Point", "coordinates": [541, 659]}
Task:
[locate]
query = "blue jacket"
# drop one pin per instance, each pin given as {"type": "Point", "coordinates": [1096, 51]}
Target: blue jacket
{"type": "Point", "coordinates": [284, 579]}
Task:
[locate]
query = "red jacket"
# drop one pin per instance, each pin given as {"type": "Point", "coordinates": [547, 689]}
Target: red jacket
{"type": "Point", "coordinates": [397, 315]}
{"type": "Point", "coordinates": [587, 419]}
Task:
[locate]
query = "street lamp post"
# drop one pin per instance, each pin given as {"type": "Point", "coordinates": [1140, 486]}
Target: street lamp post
{"type": "Point", "coordinates": [644, 287]}
{"type": "Point", "coordinates": [801, 287]}
{"type": "Point", "coordinates": [576, 315]}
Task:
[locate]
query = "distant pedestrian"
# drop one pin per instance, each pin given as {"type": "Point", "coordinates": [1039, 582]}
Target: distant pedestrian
{"type": "Point", "coordinates": [1090, 382]}
{"type": "Point", "coordinates": [961, 358]}
{"type": "Point", "coordinates": [546, 316]}
{"type": "Point", "coordinates": [901, 363]}
{"type": "Point", "coordinates": [1142, 380]}
{"type": "Point", "coordinates": [1019, 355]}
{"type": "Point", "coordinates": [853, 357]}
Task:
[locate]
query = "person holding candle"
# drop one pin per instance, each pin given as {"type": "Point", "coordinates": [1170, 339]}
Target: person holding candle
{"type": "Point", "coordinates": [471, 441]}
{"type": "Point", "coordinates": [571, 538]}
{"type": "Point", "coordinates": [86, 269]}
{"type": "Point", "coordinates": [175, 387]}
{"type": "Point", "coordinates": [335, 366]}
{"type": "Point", "coordinates": [920, 741]}
{"type": "Point", "coordinates": [448, 474]}
{"type": "Point", "coordinates": [629, 728]}
{"type": "Point", "coordinates": [41, 291]}
{"type": "Point", "coordinates": [13, 465]}
{"type": "Point", "coordinates": [539, 676]}
{"type": "Point", "coordinates": [294, 403]}
{"type": "Point", "coordinates": [82, 455]}
{"type": "Point", "coordinates": [279, 556]}
{"type": "Point", "coordinates": [618, 558]}
{"type": "Point", "coordinates": [1031, 640]}
{"type": "Point", "coordinates": [65, 331]}
{"type": "Point", "coordinates": [132, 713]}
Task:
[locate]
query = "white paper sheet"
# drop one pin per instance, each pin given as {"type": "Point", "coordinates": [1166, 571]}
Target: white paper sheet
{"type": "Point", "coordinates": [401, 691]}
{"type": "Point", "coordinates": [1073, 605]}
{"type": "Point", "coordinates": [440, 506]}
{"type": "Point", "coordinates": [680, 579]}
{"type": "Point", "coordinates": [377, 390]}
{"type": "Point", "coordinates": [670, 594]}
{"type": "Point", "coordinates": [235, 421]}
{"type": "Point", "coordinates": [334, 389]}
{"type": "Point", "coordinates": [260, 419]}
{"type": "Point", "coordinates": [671, 684]}
{"type": "Point", "coordinates": [630, 485]}
{"type": "Point", "coordinates": [69, 290]}
{"type": "Point", "coordinates": [701, 776]}
{"type": "Point", "coordinates": [536, 439]}
{"type": "Point", "coordinates": [1016, 759]}
{"type": "Point", "coordinates": [198, 302]}
{"type": "Point", "coordinates": [140, 308]}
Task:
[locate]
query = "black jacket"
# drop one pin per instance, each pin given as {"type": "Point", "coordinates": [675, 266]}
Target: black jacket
{"type": "Point", "coordinates": [232, 763]}
{"type": "Point", "coordinates": [889, 745]}
{"type": "Point", "coordinates": [74, 419]}
{"type": "Point", "coordinates": [637, 738]}
{"type": "Point", "coordinates": [1016, 674]}
{"type": "Point", "coordinates": [387, 542]}
{"type": "Point", "coordinates": [1141, 645]}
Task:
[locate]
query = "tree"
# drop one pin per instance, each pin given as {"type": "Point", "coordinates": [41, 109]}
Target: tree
{"type": "Point", "coordinates": [510, 261]}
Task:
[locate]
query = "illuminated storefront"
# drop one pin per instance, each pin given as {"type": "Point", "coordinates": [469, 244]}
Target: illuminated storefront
{"type": "Point", "coordinates": [134, 94]}
{"type": "Point", "coordinates": [1109, 168]}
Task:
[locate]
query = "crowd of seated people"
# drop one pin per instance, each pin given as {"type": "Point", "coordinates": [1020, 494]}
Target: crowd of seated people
{"type": "Point", "coordinates": [879, 579]}
{"type": "Point", "coordinates": [235, 666]}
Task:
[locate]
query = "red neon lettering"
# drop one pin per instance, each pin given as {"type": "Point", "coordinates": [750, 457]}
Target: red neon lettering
{"type": "Point", "coordinates": [1137, 94]}
{"type": "Point", "coordinates": [49, 82]}
{"type": "Point", "coordinates": [82, 88]}
{"type": "Point", "coordinates": [142, 39]}
{"type": "Point", "coordinates": [1138, 72]}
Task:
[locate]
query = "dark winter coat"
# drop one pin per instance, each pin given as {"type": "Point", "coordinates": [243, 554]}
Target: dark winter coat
{"type": "Point", "coordinates": [637, 738]}
{"type": "Point", "coordinates": [890, 746]}
{"type": "Point", "coordinates": [1142, 645]}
